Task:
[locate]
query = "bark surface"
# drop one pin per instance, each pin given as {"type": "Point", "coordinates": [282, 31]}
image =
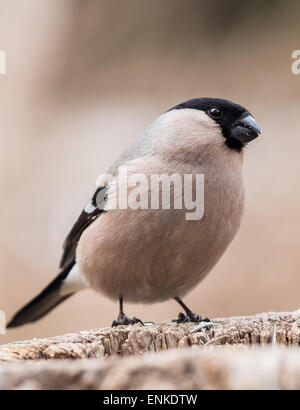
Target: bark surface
{"type": "Point", "coordinates": [263, 329]}
{"type": "Point", "coordinates": [218, 358]}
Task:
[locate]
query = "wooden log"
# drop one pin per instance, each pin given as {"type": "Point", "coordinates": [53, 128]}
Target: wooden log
{"type": "Point", "coordinates": [218, 367]}
{"type": "Point", "coordinates": [262, 329]}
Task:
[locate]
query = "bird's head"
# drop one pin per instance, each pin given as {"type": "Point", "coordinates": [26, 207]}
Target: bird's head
{"type": "Point", "coordinates": [236, 123]}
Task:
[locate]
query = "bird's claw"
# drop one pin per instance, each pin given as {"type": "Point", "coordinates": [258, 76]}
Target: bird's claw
{"type": "Point", "coordinates": [190, 317]}
{"type": "Point", "coordinates": [125, 320]}
{"type": "Point", "coordinates": [136, 320]}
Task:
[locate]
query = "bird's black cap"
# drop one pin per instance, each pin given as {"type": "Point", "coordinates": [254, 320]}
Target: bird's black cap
{"type": "Point", "coordinates": [237, 124]}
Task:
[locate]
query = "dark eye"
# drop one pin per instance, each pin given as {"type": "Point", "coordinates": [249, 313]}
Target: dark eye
{"type": "Point", "coordinates": [215, 112]}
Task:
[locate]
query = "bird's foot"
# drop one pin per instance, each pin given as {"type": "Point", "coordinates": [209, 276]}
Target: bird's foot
{"type": "Point", "coordinates": [125, 320]}
{"type": "Point", "coordinates": [190, 317]}
{"type": "Point", "coordinates": [202, 323]}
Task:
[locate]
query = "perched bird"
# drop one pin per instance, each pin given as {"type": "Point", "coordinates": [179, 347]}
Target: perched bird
{"type": "Point", "coordinates": [152, 255]}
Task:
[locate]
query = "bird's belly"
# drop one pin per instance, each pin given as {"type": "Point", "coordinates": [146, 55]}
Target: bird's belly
{"type": "Point", "coordinates": [150, 256]}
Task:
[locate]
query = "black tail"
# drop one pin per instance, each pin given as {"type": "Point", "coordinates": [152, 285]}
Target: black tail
{"type": "Point", "coordinates": [42, 303]}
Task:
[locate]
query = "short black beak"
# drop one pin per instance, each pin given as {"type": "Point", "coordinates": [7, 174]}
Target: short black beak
{"type": "Point", "coordinates": [245, 130]}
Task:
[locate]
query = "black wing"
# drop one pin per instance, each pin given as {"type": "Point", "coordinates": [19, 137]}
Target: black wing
{"type": "Point", "coordinates": [87, 216]}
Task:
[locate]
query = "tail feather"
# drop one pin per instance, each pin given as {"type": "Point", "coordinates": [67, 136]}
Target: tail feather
{"type": "Point", "coordinates": [45, 301]}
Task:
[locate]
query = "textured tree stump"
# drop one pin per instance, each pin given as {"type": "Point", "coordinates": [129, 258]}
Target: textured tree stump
{"type": "Point", "coordinates": [220, 357]}
{"type": "Point", "coordinates": [262, 329]}
{"type": "Point", "coordinates": [216, 368]}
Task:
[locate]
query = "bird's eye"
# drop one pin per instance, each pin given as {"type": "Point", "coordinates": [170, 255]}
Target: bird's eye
{"type": "Point", "coordinates": [215, 112]}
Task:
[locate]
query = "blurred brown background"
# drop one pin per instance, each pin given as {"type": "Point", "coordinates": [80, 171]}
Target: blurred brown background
{"type": "Point", "coordinates": [84, 78]}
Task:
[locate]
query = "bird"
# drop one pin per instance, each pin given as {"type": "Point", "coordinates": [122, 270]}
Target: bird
{"type": "Point", "coordinates": [152, 255]}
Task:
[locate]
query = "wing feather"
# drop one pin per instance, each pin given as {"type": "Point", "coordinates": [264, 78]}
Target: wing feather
{"type": "Point", "coordinates": [91, 212]}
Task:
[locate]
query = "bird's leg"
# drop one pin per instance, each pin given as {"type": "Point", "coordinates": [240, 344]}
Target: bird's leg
{"type": "Point", "coordinates": [123, 319]}
{"type": "Point", "coordinates": [189, 316]}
